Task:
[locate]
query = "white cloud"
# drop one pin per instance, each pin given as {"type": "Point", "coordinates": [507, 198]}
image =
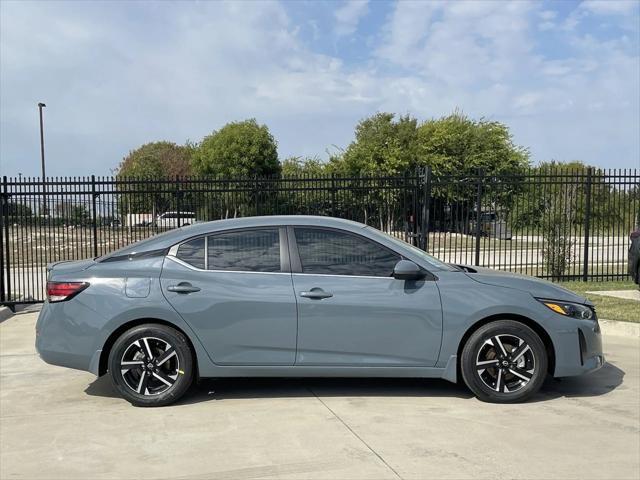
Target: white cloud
{"type": "Point", "coordinates": [124, 83]}
{"type": "Point", "coordinates": [349, 15]}
{"type": "Point", "coordinates": [406, 31]}
{"type": "Point", "coordinates": [116, 75]}
{"type": "Point", "coordinates": [622, 14]}
{"type": "Point", "coordinates": [482, 57]}
{"type": "Point", "coordinates": [609, 7]}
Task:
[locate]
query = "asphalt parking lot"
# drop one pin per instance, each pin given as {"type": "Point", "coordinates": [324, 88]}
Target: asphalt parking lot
{"type": "Point", "coordinates": [59, 423]}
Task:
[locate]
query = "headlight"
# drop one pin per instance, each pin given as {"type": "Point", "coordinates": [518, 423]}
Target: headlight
{"type": "Point", "coordinates": [568, 309]}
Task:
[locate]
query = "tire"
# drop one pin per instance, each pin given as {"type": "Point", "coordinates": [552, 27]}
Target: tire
{"type": "Point", "coordinates": [483, 366]}
{"type": "Point", "coordinates": [151, 365]}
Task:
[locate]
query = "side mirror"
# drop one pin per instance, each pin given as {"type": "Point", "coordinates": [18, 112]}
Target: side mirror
{"type": "Point", "coordinates": [407, 270]}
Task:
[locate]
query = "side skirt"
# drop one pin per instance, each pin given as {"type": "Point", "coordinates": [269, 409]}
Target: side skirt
{"type": "Point", "coordinates": [333, 371]}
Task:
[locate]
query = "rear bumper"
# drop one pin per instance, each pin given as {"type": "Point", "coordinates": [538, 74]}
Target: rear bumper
{"type": "Point", "coordinates": [63, 342]}
{"type": "Point", "coordinates": [579, 349]}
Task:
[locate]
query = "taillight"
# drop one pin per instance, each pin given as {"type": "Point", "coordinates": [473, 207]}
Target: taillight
{"type": "Point", "coordinates": [61, 291]}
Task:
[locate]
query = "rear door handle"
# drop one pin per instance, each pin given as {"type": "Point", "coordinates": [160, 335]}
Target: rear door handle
{"type": "Point", "coordinates": [183, 287]}
{"type": "Point", "coordinates": [316, 293]}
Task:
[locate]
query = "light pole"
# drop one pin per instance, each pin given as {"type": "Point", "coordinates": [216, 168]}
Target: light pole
{"type": "Point", "coordinates": [44, 184]}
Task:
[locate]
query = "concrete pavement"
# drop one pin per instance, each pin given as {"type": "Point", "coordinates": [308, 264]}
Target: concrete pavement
{"type": "Point", "coordinates": [623, 294]}
{"type": "Point", "coordinates": [60, 423]}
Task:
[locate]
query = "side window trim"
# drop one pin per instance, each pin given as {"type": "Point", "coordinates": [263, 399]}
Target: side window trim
{"type": "Point", "coordinates": [285, 259]}
{"type": "Point", "coordinates": [296, 263]}
{"type": "Point", "coordinates": [294, 255]}
{"type": "Point", "coordinates": [206, 252]}
{"type": "Point", "coordinates": [282, 238]}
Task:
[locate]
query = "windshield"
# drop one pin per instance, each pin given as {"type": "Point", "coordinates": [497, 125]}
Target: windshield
{"type": "Point", "coordinates": [417, 251]}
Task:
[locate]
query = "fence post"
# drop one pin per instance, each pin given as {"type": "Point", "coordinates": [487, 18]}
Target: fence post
{"type": "Point", "coordinates": [478, 215]}
{"type": "Point", "coordinates": [178, 201]}
{"type": "Point", "coordinates": [426, 208]}
{"type": "Point", "coordinates": [256, 189]}
{"type": "Point", "coordinates": [4, 205]}
{"type": "Point", "coordinates": [333, 195]}
{"type": "Point", "coordinates": [94, 195]}
{"type": "Point", "coordinates": [587, 225]}
{"type": "Point", "coordinates": [2, 221]}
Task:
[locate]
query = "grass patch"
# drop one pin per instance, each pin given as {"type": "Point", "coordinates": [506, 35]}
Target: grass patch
{"type": "Point", "coordinates": [608, 308]}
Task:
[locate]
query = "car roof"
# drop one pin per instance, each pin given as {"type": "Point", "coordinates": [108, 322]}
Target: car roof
{"type": "Point", "coordinates": [270, 220]}
{"type": "Point", "coordinates": [170, 238]}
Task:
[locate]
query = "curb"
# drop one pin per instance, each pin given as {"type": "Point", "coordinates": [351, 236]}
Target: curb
{"type": "Point", "coordinates": [5, 313]}
{"type": "Point", "coordinates": [617, 328]}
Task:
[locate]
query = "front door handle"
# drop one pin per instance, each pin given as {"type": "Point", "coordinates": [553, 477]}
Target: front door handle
{"type": "Point", "coordinates": [183, 287]}
{"type": "Point", "coordinates": [316, 293]}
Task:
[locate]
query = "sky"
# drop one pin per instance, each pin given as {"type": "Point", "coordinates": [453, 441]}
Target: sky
{"type": "Point", "coordinates": [563, 75]}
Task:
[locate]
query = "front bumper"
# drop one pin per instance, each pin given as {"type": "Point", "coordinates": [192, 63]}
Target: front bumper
{"type": "Point", "coordinates": [578, 349]}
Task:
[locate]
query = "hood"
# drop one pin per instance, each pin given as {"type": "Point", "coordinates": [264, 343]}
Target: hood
{"type": "Point", "coordinates": [535, 286]}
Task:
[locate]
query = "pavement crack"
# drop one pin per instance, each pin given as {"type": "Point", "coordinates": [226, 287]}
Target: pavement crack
{"type": "Point", "coordinates": [355, 434]}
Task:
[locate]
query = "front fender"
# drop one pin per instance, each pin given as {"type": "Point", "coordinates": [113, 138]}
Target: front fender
{"type": "Point", "coordinates": [462, 312]}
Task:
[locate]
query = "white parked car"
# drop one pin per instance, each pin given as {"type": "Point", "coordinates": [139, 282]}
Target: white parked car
{"type": "Point", "coordinates": [170, 219]}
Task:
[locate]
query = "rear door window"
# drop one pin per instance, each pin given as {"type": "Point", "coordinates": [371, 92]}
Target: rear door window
{"type": "Point", "coordinates": [256, 250]}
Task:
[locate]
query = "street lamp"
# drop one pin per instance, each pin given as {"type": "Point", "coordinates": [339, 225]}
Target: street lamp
{"type": "Point", "coordinates": [44, 185]}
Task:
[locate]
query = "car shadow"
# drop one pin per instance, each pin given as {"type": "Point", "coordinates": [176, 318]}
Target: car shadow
{"type": "Point", "coordinates": [242, 388]}
{"type": "Point", "coordinates": [601, 382]}
{"type": "Point", "coordinates": [216, 389]}
{"type": "Point", "coordinates": [102, 387]}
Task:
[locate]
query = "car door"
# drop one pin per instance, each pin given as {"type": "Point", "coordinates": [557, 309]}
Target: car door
{"type": "Point", "coordinates": [234, 289]}
{"type": "Point", "coordinates": [351, 311]}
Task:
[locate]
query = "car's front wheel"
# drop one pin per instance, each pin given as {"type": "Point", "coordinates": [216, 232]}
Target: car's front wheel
{"type": "Point", "coordinates": [504, 362]}
{"type": "Point", "coordinates": [151, 365]}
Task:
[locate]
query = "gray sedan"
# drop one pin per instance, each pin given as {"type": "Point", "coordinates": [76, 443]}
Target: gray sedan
{"type": "Point", "coordinates": [307, 296]}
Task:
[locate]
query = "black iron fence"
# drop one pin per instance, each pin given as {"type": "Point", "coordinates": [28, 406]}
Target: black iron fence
{"type": "Point", "coordinates": [558, 224]}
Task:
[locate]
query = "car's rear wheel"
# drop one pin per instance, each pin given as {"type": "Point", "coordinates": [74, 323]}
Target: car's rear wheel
{"type": "Point", "coordinates": [504, 362]}
{"type": "Point", "coordinates": [151, 365]}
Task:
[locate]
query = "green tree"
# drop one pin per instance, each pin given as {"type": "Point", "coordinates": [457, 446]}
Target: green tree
{"type": "Point", "coordinates": [153, 161]}
{"type": "Point", "coordinates": [464, 148]}
{"type": "Point", "coordinates": [239, 149]}
{"type": "Point", "coordinates": [560, 210]}
{"type": "Point", "coordinates": [552, 177]}
{"type": "Point", "coordinates": [456, 144]}
{"type": "Point", "coordinates": [18, 210]}
{"type": "Point", "coordinates": [452, 145]}
{"type": "Point", "coordinates": [72, 213]}
{"type": "Point", "coordinates": [157, 160]}
{"type": "Point", "coordinates": [239, 152]}
{"type": "Point", "coordinates": [553, 203]}
{"type": "Point", "coordinates": [382, 146]}
{"type": "Point", "coordinates": [300, 167]}
{"type": "Point", "coordinates": [304, 186]}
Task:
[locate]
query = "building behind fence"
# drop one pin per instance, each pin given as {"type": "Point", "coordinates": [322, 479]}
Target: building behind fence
{"type": "Point", "coordinates": [558, 224]}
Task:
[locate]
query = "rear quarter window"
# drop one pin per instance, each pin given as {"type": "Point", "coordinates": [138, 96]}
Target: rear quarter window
{"type": "Point", "coordinates": [192, 252]}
